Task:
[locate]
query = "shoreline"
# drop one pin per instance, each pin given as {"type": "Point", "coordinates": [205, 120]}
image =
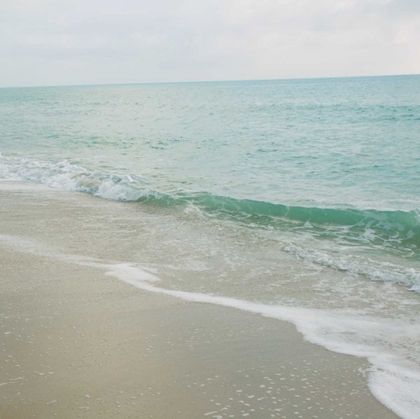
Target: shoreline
{"type": "Point", "coordinates": [77, 342]}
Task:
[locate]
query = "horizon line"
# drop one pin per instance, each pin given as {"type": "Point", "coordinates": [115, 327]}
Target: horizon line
{"type": "Point", "coordinates": [208, 81]}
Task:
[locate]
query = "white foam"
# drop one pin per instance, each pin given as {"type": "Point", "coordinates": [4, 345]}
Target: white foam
{"type": "Point", "coordinates": [64, 175]}
{"type": "Point", "coordinates": [394, 378]}
{"type": "Point", "coordinates": [360, 265]}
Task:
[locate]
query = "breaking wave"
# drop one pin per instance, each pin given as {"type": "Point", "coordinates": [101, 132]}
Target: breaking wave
{"type": "Point", "coordinates": [370, 225]}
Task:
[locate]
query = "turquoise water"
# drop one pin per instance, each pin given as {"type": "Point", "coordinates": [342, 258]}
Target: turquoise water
{"type": "Point", "coordinates": [270, 196]}
{"type": "Point", "coordinates": [317, 143]}
{"type": "Point", "coordinates": [335, 159]}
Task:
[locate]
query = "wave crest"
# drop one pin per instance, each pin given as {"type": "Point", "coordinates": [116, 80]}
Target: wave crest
{"type": "Point", "coordinates": [398, 231]}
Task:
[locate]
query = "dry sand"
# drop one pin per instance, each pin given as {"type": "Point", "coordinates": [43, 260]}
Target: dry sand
{"type": "Point", "coordinates": [77, 343]}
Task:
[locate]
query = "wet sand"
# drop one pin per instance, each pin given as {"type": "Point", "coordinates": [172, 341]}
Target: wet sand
{"type": "Point", "coordinates": [75, 342]}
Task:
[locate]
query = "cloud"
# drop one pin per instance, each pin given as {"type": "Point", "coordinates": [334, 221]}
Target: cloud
{"type": "Point", "coordinates": [72, 42]}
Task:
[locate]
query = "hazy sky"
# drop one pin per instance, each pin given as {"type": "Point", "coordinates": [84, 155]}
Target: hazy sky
{"type": "Point", "coordinates": [54, 42]}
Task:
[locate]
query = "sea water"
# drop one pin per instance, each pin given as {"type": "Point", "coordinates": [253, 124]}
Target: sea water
{"type": "Point", "coordinates": [294, 199]}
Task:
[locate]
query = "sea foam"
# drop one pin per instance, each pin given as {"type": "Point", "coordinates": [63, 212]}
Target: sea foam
{"type": "Point", "coordinates": [72, 177]}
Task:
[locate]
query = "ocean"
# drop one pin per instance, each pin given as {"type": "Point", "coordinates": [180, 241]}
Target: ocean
{"type": "Point", "coordinates": [294, 199]}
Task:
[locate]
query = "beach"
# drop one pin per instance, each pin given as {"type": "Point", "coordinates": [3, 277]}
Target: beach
{"type": "Point", "coordinates": [78, 342]}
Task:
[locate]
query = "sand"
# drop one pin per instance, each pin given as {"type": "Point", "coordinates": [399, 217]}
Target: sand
{"type": "Point", "coordinates": [75, 342]}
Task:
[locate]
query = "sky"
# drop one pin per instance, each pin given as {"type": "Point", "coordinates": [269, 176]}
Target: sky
{"type": "Point", "coordinates": [61, 42]}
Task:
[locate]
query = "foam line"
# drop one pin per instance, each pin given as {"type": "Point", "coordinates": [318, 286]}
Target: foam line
{"type": "Point", "coordinates": [394, 380]}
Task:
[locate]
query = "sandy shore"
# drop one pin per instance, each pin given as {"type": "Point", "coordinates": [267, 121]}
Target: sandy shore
{"type": "Point", "coordinates": [75, 342]}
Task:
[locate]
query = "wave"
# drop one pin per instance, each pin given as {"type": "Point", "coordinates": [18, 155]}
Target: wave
{"type": "Point", "coordinates": [69, 176]}
{"type": "Point", "coordinates": [370, 224]}
{"type": "Point", "coordinates": [389, 229]}
{"type": "Point", "coordinates": [360, 265]}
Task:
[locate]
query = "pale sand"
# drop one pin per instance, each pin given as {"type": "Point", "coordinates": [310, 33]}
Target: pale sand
{"type": "Point", "coordinates": [77, 343]}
